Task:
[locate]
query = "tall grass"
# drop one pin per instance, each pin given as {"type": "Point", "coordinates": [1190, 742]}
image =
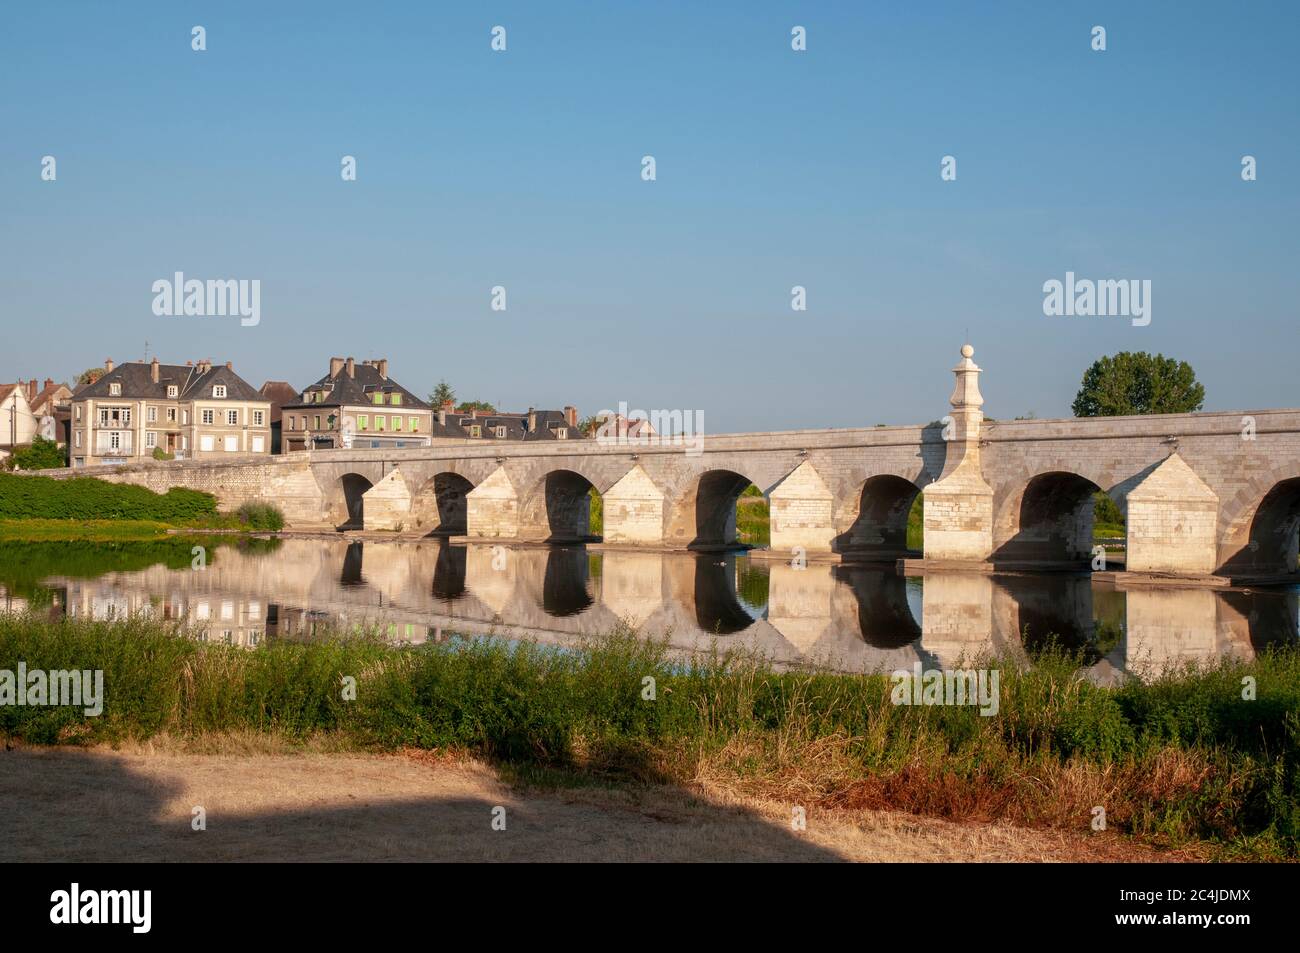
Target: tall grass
{"type": "Point", "coordinates": [1181, 758]}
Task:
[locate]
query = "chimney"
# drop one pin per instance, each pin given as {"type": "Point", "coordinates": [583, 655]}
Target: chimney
{"type": "Point", "coordinates": [571, 415]}
{"type": "Point", "coordinates": [382, 365]}
{"type": "Point", "coordinates": [108, 366]}
{"type": "Point", "coordinates": [336, 366]}
{"type": "Point", "coordinates": [473, 413]}
{"type": "Point", "coordinates": [153, 370]}
{"type": "Point", "coordinates": [228, 366]}
{"type": "Point", "coordinates": [49, 382]}
{"type": "Point", "coordinates": [442, 415]}
{"type": "Point", "coordinates": [532, 419]}
{"type": "Point", "coordinates": [352, 368]}
{"type": "Point", "coordinates": [31, 389]}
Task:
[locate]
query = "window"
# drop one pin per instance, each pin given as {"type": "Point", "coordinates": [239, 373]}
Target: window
{"type": "Point", "coordinates": [185, 443]}
{"type": "Point", "coordinates": [379, 397]}
{"type": "Point", "coordinates": [501, 432]}
{"type": "Point", "coordinates": [185, 417]}
{"type": "Point", "coordinates": [259, 444]}
{"type": "Point", "coordinates": [76, 437]}
{"type": "Point", "coordinates": [317, 427]}
{"type": "Point", "coordinates": [395, 400]}
{"type": "Point", "coordinates": [218, 391]}
{"type": "Point", "coordinates": [115, 390]}
{"type": "Point", "coordinates": [397, 423]}
{"type": "Point", "coordinates": [232, 418]}
{"type": "Point", "coordinates": [291, 420]}
{"type": "Point", "coordinates": [231, 443]}
{"type": "Point", "coordinates": [208, 416]}
{"type": "Point", "coordinates": [363, 422]}
{"type": "Point", "coordinates": [562, 433]}
{"type": "Point", "coordinates": [103, 418]}
{"type": "Point", "coordinates": [115, 441]}
{"type": "Point", "coordinates": [171, 390]}
{"type": "Point", "coordinates": [152, 415]}
{"type": "Point", "coordinates": [258, 417]}
{"type": "Point", "coordinates": [414, 424]}
{"type": "Point", "coordinates": [78, 411]}
{"type": "Point", "coordinates": [205, 442]}
{"type": "Point", "coordinates": [475, 430]}
{"type": "Point", "coordinates": [171, 415]}
{"type": "Point", "coordinates": [150, 438]}
{"type": "Point", "coordinates": [380, 421]}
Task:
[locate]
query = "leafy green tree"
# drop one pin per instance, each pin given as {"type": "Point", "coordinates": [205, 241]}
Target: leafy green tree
{"type": "Point", "coordinates": [1135, 382]}
{"type": "Point", "coordinates": [483, 405]}
{"type": "Point", "coordinates": [441, 394]}
{"type": "Point", "coordinates": [41, 455]}
{"type": "Point", "coordinates": [88, 376]}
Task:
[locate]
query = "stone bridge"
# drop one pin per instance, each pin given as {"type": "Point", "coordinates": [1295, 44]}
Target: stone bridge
{"type": "Point", "coordinates": [1203, 493]}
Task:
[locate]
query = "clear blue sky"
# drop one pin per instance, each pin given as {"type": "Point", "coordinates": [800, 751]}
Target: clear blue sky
{"type": "Point", "coordinates": [775, 168]}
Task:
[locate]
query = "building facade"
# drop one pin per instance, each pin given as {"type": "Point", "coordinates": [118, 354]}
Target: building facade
{"type": "Point", "coordinates": [189, 411]}
{"type": "Point", "coordinates": [356, 406]}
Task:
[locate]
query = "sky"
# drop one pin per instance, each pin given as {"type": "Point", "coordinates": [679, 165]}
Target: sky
{"type": "Point", "coordinates": [774, 168]}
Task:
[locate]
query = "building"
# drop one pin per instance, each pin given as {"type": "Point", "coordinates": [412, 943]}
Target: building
{"type": "Point", "coordinates": [192, 410]}
{"type": "Point", "coordinates": [278, 393]}
{"type": "Point", "coordinates": [17, 424]}
{"type": "Point", "coordinates": [533, 425]}
{"type": "Point", "coordinates": [357, 406]}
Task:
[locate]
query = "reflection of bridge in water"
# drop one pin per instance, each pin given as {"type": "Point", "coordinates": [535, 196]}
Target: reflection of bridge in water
{"type": "Point", "coordinates": [853, 618]}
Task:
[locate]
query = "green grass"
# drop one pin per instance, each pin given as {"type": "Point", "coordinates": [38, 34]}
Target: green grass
{"type": "Point", "coordinates": [45, 530]}
{"type": "Point", "coordinates": [1182, 760]}
{"type": "Point", "coordinates": [86, 498]}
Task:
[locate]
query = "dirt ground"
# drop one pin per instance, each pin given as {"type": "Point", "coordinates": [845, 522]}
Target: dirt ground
{"type": "Point", "coordinates": [105, 805]}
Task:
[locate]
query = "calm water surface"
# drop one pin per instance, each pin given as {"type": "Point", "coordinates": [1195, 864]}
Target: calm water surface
{"type": "Point", "coordinates": [848, 618]}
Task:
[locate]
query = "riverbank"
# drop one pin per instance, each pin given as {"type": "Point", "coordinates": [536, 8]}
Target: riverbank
{"type": "Point", "coordinates": [262, 802]}
{"type": "Point", "coordinates": [1182, 761]}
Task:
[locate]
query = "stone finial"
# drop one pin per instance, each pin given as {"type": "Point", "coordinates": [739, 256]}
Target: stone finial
{"type": "Point", "coordinates": [966, 394]}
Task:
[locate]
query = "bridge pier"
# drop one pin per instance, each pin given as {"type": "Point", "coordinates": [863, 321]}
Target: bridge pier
{"type": "Point", "coordinates": [1172, 521]}
{"type": "Point", "coordinates": [958, 507]}
{"type": "Point", "coordinates": [492, 508]}
{"type": "Point", "coordinates": [634, 510]}
{"type": "Point", "coordinates": [387, 504]}
{"type": "Point", "coordinates": [801, 512]}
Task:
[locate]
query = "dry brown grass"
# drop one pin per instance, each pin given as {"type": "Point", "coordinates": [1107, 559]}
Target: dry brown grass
{"type": "Point", "coordinates": [266, 800]}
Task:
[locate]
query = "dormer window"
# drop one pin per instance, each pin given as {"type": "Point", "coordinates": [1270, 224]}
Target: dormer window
{"type": "Point", "coordinates": [501, 432]}
{"type": "Point", "coordinates": [115, 390]}
{"type": "Point", "coordinates": [379, 397]}
{"type": "Point", "coordinates": [562, 433]}
{"type": "Point", "coordinates": [396, 399]}
{"type": "Point", "coordinates": [171, 390]}
{"type": "Point", "coordinates": [218, 391]}
{"type": "Point", "coordinates": [475, 430]}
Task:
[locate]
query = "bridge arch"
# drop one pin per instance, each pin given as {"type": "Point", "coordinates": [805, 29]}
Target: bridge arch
{"type": "Point", "coordinates": [348, 506]}
{"type": "Point", "coordinates": [1262, 525]}
{"type": "Point", "coordinates": [879, 530]}
{"type": "Point", "coordinates": [714, 501]}
{"type": "Point", "coordinates": [558, 508]}
{"type": "Point", "coordinates": [1046, 520]}
{"type": "Point", "coordinates": [440, 505]}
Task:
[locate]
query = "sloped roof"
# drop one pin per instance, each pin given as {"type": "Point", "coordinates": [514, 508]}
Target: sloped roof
{"type": "Point", "coordinates": [137, 381]}
{"type": "Point", "coordinates": [358, 389]}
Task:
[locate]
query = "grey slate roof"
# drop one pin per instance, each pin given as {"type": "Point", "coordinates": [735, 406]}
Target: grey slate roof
{"type": "Point", "coordinates": [358, 390]}
{"type": "Point", "coordinates": [137, 382]}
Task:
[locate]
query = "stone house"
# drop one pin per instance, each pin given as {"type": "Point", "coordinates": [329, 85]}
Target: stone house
{"type": "Point", "coordinates": [192, 410]}
{"type": "Point", "coordinates": [357, 406]}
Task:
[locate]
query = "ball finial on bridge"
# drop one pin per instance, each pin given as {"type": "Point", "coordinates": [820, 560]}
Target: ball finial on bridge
{"type": "Point", "coordinates": [967, 351]}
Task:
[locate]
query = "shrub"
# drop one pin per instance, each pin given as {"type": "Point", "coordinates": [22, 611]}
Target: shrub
{"type": "Point", "coordinates": [260, 516]}
{"type": "Point", "coordinates": [160, 454]}
{"type": "Point", "coordinates": [85, 498]}
{"type": "Point", "coordinates": [41, 455]}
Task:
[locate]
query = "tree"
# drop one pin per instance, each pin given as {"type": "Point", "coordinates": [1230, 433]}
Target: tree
{"type": "Point", "coordinates": [441, 394]}
{"type": "Point", "coordinates": [41, 455]}
{"type": "Point", "coordinates": [88, 376]}
{"type": "Point", "coordinates": [483, 405]}
{"type": "Point", "coordinates": [1135, 382]}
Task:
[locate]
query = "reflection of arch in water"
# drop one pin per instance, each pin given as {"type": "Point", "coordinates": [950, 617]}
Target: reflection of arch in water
{"type": "Point", "coordinates": [441, 505]}
{"type": "Point", "coordinates": [716, 495]}
{"type": "Point", "coordinates": [449, 572]}
{"type": "Point", "coordinates": [885, 618]}
{"type": "Point", "coordinates": [352, 562]}
{"type": "Point", "coordinates": [1272, 615]}
{"type": "Point", "coordinates": [880, 530]}
{"type": "Point", "coordinates": [1048, 521]}
{"type": "Point", "coordinates": [564, 589]}
{"type": "Point", "coordinates": [1052, 610]}
{"type": "Point", "coordinates": [352, 487]}
{"type": "Point", "coordinates": [718, 610]}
